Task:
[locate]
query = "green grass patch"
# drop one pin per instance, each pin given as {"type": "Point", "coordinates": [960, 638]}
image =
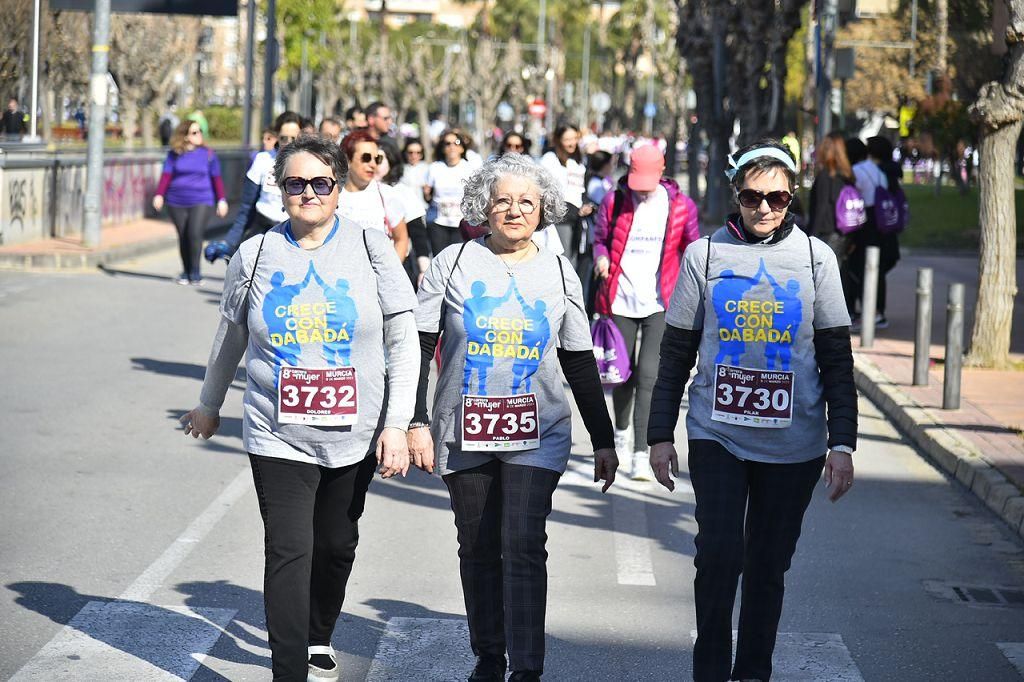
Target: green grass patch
{"type": "Point", "coordinates": [948, 220]}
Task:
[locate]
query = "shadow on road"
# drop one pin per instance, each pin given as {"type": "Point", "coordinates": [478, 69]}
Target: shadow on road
{"type": "Point", "coordinates": [180, 369]}
{"type": "Point", "coordinates": [117, 272]}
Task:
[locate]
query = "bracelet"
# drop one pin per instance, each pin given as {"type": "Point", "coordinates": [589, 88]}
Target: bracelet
{"type": "Point", "coordinates": [418, 425]}
{"type": "Point", "coordinates": [842, 448]}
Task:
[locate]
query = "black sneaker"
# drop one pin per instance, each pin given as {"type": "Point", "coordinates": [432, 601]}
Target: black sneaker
{"type": "Point", "coordinates": [525, 676]}
{"type": "Point", "coordinates": [489, 668]}
{"type": "Point", "coordinates": [881, 322]}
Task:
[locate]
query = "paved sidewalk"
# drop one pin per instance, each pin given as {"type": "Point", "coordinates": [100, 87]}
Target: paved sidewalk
{"type": "Point", "coordinates": [981, 443]}
{"type": "Point", "coordinates": [117, 242]}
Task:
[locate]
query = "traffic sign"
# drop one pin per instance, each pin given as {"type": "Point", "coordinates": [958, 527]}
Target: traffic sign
{"type": "Point", "coordinates": [650, 110]}
{"type": "Point", "coordinates": [538, 108]}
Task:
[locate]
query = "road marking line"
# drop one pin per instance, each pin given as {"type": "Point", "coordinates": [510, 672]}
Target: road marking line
{"type": "Point", "coordinates": [153, 577]}
{"type": "Point", "coordinates": [1014, 652]}
{"type": "Point", "coordinates": [810, 656]}
{"type": "Point", "coordinates": [129, 641]}
{"type": "Point", "coordinates": [632, 543]}
{"type": "Point", "coordinates": [409, 648]}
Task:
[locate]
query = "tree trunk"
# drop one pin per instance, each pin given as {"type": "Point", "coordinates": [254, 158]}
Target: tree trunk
{"type": "Point", "coordinates": [148, 114]}
{"type": "Point", "coordinates": [130, 122]}
{"type": "Point", "coordinates": [997, 286]}
{"type": "Point", "coordinates": [999, 112]}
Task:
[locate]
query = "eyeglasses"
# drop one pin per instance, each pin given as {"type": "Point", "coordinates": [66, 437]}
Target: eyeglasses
{"type": "Point", "coordinates": [751, 198]}
{"type": "Point", "coordinates": [527, 205]}
{"type": "Point", "coordinates": [366, 157]}
{"type": "Point", "coordinates": [453, 143]}
{"type": "Point", "coordinates": [294, 186]}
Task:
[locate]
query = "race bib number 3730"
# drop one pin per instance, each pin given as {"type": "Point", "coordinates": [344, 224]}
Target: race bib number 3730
{"type": "Point", "coordinates": [500, 422]}
{"type": "Point", "coordinates": [753, 397]}
{"type": "Point", "coordinates": [317, 397]}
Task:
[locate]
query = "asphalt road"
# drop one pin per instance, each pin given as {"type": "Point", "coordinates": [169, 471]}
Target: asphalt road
{"type": "Point", "coordinates": [130, 552]}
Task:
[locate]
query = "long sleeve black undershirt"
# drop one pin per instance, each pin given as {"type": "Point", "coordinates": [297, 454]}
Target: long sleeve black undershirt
{"type": "Point", "coordinates": [418, 236]}
{"type": "Point", "coordinates": [835, 363]}
{"type": "Point", "coordinates": [580, 370]}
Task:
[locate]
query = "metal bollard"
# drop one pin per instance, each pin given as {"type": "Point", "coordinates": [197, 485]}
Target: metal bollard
{"type": "Point", "coordinates": [923, 326]}
{"type": "Point", "coordinates": [868, 297]}
{"type": "Point", "coordinates": [954, 348]}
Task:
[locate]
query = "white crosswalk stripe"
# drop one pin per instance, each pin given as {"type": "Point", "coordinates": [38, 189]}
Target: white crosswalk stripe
{"type": "Point", "coordinates": [422, 649]}
{"type": "Point", "coordinates": [1014, 652]}
{"type": "Point", "coordinates": [810, 657]}
{"type": "Point", "coordinates": [129, 641]}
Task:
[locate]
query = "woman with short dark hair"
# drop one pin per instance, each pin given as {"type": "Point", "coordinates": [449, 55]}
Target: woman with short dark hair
{"type": "Point", "coordinates": [321, 308]}
{"type": "Point", "coordinates": [759, 309]}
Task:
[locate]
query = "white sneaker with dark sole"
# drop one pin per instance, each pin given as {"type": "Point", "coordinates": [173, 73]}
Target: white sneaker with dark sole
{"type": "Point", "coordinates": [642, 467]}
{"type": "Point", "coordinates": [318, 674]}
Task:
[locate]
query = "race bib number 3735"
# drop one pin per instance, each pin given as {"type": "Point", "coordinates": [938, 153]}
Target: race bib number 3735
{"type": "Point", "coordinates": [317, 397]}
{"type": "Point", "coordinates": [500, 422]}
{"type": "Point", "coordinates": [753, 397]}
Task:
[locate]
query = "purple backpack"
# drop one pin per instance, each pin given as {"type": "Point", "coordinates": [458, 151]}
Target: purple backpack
{"type": "Point", "coordinates": [610, 352]}
{"type": "Point", "coordinates": [888, 213]}
{"type": "Point", "coordinates": [850, 212]}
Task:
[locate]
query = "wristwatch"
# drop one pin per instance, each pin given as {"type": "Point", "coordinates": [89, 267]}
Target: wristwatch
{"type": "Point", "coordinates": [842, 448]}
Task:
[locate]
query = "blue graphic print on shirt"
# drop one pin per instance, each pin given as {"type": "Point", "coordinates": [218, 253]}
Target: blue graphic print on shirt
{"type": "Point", "coordinates": [535, 337]}
{"type": "Point", "coordinates": [340, 319]}
{"type": "Point", "coordinates": [276, 305]}
{"type": "Point", "coordinates": [476, 314]}
{"type": "Point", "coordinates": [747, 316]}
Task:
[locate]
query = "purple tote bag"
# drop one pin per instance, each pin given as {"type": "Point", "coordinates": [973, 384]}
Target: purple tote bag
{"type": "Point", "coordinates": [610, 351]}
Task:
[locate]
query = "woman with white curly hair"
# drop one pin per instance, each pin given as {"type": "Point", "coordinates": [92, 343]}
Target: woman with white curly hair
{"type": "Point", "coordinates": [510, 312]}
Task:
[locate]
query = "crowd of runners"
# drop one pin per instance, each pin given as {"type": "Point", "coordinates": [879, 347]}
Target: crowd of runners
{"type": "Point", "coordinates": [357, 262]}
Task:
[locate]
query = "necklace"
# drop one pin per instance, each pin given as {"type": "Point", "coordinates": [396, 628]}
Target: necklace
{"type": "Point", "coordinates": [510, 264]}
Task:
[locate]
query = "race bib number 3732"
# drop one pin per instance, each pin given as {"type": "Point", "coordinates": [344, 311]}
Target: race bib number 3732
{"type": "Point", "coordinates": [753, 397]}
{"type": "Point", "coordinates": [500, 422]}
{"type": "Point", "coordinates": [317, 397]}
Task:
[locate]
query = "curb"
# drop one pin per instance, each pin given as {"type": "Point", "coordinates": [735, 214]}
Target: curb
{"type": "Point", "coordinates": [95, 258]}
{"type": "Point", "coordinates": [959, 458]}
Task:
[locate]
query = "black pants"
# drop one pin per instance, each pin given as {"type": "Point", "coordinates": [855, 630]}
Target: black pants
{"type": "Point", "coordinates": [773, 499]}
{"type": "Point", "coordinates": [632, 400]}
{"type": "Point", "coordinates": [191, 222]}
{"type": "Point", "coordinates": [852, 269]}
{"type": "Point", "coordinates": [310, 520]}
{"type": "Point", "coordinates": [500, 512]}
{"type": "Point", "coordinates": [441, 236]}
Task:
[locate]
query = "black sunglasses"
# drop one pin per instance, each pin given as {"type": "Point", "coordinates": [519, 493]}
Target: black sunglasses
{"type": "Point", "coordinates": [751, 198]}
{"type": "Point", "coordinates": [366, 157]}
{"type": "Point", "coordinates": [322, 186]}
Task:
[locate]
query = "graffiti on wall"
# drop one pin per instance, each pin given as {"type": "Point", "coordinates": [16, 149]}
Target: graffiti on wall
{"type": "Point", "coordinates": [128, 188]}
{"type": "Point", "coordinates": [23, 220]}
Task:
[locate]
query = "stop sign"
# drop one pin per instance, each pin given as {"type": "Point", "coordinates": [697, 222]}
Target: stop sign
{"type": "Point", "coordinates": [537, 108]}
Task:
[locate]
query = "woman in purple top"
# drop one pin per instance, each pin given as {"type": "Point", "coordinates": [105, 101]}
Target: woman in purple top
{"type": "Point", "coordinates": [190, 181]}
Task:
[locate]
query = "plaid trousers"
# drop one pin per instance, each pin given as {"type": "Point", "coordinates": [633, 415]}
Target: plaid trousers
{"type": "Point", "coordinates": [748, 516]}
{"type": "Point", "coordinates": [500, 512]}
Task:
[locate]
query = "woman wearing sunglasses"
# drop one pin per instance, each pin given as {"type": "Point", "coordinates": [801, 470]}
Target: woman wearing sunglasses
{"type": "Point", "coordinates": [446, 179]}
{"type": "Point", "coordinates": [189, 183]}
{"type": "Point", "coordinates": [365, 200]}
{"type": "Point", "coordinates": [316, 305]}
{"type": "Point", "coordinates": [759, 309]}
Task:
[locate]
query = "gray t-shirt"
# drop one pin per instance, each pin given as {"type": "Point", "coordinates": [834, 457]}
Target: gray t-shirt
{"type": "Point", "coordinates": [500, 335]}
{"type": "Point", "coordinates": [316, 308]}
{"type": "Point", "coordinates": [758, 310]}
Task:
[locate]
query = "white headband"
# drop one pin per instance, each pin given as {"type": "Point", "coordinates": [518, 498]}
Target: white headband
{"type": "Point", "coordinates": [758, 153]}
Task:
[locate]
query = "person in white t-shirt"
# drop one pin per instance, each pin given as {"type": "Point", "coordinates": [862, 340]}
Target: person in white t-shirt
{"type": "Point", "coordinates": [366, 201]}
{"type": "Point", "coordinates": [565, 163]}
{"type": "Point", "coordinates": [390, 174]}
{"type": "Point", "coordinates": [641, 232]}
{"type": "Point", "coordinates": [446, 179]}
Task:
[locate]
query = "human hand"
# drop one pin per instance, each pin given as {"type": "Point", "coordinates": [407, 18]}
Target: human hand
{"type": "Point", "coordinates": [392, 452]}
{"type": "Point", "coordinates": [605, 464]}
{"type": "Point", "coordinates": [158, 203]}
{"type": "Point", "coordinates": [601, 267]}
{"type": "Point", "coordinates": [222, 208]}
{"type": "Point", "coordinates": [838, 474]}
{"type": "Point", "coordinates": [665, 464]}
{"type": "Point", "coordinates": [586, 210]}
{"type": "Point", "coordinates": [197, 424]}
{"type": "Point", "coordinates": [421, 448]}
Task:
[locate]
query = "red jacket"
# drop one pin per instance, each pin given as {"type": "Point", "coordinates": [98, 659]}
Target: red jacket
{"type": "Point", "coordinates": [610, 241]}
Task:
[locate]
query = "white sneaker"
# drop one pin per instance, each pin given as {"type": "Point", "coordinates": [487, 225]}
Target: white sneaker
{"type": "Point", "coordinates": [318, 674]}
{"type": "Point", "coordinates": [624, 440]}
{"type": "Point", "coordinates": [642, 466]}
